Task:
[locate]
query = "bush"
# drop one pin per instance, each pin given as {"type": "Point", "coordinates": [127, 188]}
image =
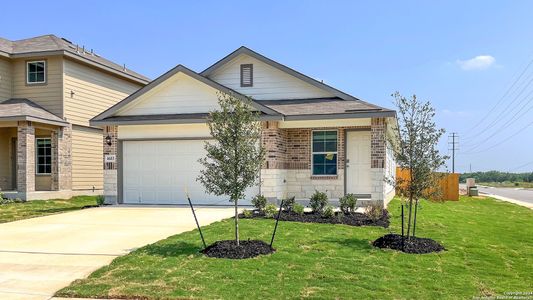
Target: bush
{"type": "Point", "coordinates": [259, 202]}
{"type": "Point", "coordinates": [10, 201]}
{"type": "Point", "coordinates": [328, 212]}
{"type": "Point", "coordinates": [318, 201]}
{"type": "Point", "coordinates": [348, 203]}
{"type": "Point", "coordinates": [247, 213]}
{"type": "Point", "coordinates": [298, 208]}
{"type": "Point", "coordinates": [288, 203]}
{"type": "Point", "coordinates": [374, 212]}
{"type": "Point", "coordinates": [270, 210]}
{"type": "Point", "coordinates": [100, 200]}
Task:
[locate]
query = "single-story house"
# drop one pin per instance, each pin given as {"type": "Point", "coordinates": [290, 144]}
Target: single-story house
{"type": "Point", "coordinates": [316, 137]}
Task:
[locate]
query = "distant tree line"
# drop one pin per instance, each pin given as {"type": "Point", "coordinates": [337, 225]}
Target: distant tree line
{"type": "Point", "coordinates": [497, 176]}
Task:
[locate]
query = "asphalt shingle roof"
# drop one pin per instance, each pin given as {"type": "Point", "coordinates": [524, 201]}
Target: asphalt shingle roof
{"type": "Point", "coordinates": [21, 108]}
{"type": "Point", "coordinates": [51, 42]}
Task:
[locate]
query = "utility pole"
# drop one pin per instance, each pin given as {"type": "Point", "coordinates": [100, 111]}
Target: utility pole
{"type": "Point", "coordinates": [454, 143]}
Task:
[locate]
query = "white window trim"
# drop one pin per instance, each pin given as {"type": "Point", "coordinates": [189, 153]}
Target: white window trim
{"type": "Point", "coordinates": [37, 156]}
{"type": "Point", "coordinates": [335, 152]}
{"type": "Point", "coordinates": [28, 71]}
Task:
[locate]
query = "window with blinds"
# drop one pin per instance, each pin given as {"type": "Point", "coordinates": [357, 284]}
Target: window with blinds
{"type": "Point", "coordinates": [247, 75]}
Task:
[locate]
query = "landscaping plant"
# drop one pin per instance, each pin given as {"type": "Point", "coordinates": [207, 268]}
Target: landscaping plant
{"type": "Point", "coordinates": [318, 201]}
{"type": "Point", "coordinates": [270, 210]}
{"type": "Point", "coordinates": [374, 212]}
{"type": "Point", "coordinates": [414, 145]}
{"type": "Point", "coordinates": [247, 213]}
{"type": "Point", "coordinates": [328, 212]}
{"type": "Point", "coordinates": [234, 160]}
{"type": "Point", "coordinates": [298, 209]}
{"type": "Point", "coordinates": [348, 203]}
{"type": "Point", "coordinates": [259, 202]}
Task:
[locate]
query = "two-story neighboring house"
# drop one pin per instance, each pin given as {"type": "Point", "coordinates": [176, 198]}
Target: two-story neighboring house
{"type": "Point", "coordinates": [49, 89]}
{"type": "Point", "coordinates": [316, 137]}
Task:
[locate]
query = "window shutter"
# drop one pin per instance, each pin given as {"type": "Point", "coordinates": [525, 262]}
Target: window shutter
{"type": "Point", "coordinates": [247, 75]}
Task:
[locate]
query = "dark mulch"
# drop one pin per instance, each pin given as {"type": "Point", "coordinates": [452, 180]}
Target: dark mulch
{"type": "Point", "coordinates": [414, 245]}
{"type": "Point", "coordinates": [246, 249]}
{"type": "Point", "coordinates": [354, 219]}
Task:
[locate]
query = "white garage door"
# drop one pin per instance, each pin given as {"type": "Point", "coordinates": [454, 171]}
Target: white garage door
{"type": "Point", "coordinates": [159, 172]}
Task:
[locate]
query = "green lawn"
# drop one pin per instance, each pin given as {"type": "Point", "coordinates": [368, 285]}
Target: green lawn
{"type": "Point", "coordinates": [37, 208]}
{"type": "Point", "coordinates": [489, 252]}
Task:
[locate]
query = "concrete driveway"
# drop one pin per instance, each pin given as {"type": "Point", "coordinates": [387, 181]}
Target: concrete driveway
{"type": "Point", "coordinates": [40, 256]}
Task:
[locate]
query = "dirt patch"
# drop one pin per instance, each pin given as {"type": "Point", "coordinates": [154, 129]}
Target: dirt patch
{"type": "Point", "coordinates": [353, 219]}
{"type": "Point", "coordinates": [414, 245]}
{"type": "Point", "coordinates": [246, 249]}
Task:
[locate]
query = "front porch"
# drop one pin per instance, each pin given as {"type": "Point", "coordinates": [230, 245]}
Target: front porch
{"type": "Point", "coordinates": [34, 152]}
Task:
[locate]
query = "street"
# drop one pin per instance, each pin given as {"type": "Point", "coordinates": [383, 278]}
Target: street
{"type": "Point", "coordinates": [513, 193]}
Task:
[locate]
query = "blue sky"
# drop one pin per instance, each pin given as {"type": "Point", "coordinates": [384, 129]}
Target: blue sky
{"type": "Point", "coordinates": [461, 55]}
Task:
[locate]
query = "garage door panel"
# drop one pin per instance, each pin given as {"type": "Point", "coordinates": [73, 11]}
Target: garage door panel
{"type": "Point", "coordinates": [159, 172]}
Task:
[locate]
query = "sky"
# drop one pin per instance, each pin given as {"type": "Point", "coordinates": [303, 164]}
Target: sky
{"type": "Point", "coordinates": [465, 57]}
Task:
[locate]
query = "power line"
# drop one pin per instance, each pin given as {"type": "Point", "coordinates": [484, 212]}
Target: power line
{"type": "Point", "coordinates": [501, 142]}
{"type": "Point", "coordinates": [503, 96]}
{"type": "Point", "coordinates": [521, 166]}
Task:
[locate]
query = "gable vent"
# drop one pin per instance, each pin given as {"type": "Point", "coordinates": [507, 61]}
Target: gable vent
{"type": "Point", "coordinates": [247, 75]}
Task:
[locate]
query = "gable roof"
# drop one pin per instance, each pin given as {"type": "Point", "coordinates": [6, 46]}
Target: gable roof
{"type": "Point", "coordinates": [179, 68]}
{"type": "Point", "coordinates": [53, 45]}
{"type": "Point", "coordinates": [22, 109]}
{"type": "Point", "coordinates": [247, 51]}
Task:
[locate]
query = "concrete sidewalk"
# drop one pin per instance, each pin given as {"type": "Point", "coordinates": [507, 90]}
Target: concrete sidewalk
{"type": "Point", "coordinates": [42, 255]}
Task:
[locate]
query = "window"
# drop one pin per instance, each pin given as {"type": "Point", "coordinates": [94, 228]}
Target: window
{"type": "Point", "coordinates": [247, 75]}
{"type": "Point", "coordinates": [324, 152]}
{"type": "Point", "coordinates": [36, 72]}
{"type": "Point", "coordinates": [44, 156]}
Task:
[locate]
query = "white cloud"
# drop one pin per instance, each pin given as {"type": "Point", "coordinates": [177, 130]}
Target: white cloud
{"type": "Point", "coordinates": [480, 62]}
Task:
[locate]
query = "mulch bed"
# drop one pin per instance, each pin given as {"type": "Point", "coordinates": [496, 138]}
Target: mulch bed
{"type": "Point", "coordinates": [354, 219]}
{"type": "Point", "coordinates": [246, 249]}
{"type": "Point", "coordinates": [414, 245]}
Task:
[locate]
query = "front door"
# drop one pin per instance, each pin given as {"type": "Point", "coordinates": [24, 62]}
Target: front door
{"type": "Point", "coordinates": [358, 177]}
{"type": "Point", "coordinates": [14, 163]}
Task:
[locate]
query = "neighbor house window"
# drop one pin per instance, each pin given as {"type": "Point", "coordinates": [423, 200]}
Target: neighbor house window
{"type": "Point", "coordinates": [247, 75]}
{"type": "Point", "coordinates": [325, 152]}
{"type": "Point", "coordinates": [44, 156]}
{"type": "Point", "coordinates": [36, 72]}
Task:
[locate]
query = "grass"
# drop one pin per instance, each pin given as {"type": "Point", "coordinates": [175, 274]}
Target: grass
{"type": "Point", "coordinates": [489, 252]}
{"type": "Point", "coordinates": [508, 184]}
{"type": "Point", "coordinates": [37, 208]}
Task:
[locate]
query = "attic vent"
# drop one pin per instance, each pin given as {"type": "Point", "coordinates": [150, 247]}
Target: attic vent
{"type": "Point", "coordinates": [247, 75]}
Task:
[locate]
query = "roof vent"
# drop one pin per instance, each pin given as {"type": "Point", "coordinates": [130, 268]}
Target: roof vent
{"type": "Point", "coordinates": [247, 75]}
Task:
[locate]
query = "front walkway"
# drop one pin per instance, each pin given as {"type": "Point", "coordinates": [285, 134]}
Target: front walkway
{"type": "Point", "coordinates": [41, 255]}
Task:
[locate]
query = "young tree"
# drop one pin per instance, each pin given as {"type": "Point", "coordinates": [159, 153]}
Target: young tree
{"type": "Point", "coordinates": [414, 146]}
{"type": "Point", "coordinates": [233, 162]}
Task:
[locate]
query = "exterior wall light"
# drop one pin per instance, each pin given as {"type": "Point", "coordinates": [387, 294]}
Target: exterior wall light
{"type": "Point", "coordinates": [108, 140]}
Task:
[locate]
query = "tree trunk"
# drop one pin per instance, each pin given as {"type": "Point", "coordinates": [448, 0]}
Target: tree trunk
{"type": "Point", "coordinates": [236, 223]}
{"type": "Point", "coordinates": [414, 221]}
{"type": "Point", "coordinates": [410, 214]}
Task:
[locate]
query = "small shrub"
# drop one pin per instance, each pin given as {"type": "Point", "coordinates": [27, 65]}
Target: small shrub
{"type": "Point", "coordinates": [260, 202]}
{"type": "Point", "coordinates": [270, 210]}
{"type": "Point", "coordinates": [288, 203]}
{"type": "Point", "coordinates": [100, 200]}
{"type": "Point", "coordinates": [374, 212]}
{"type": "Point", "coordinates": [328, 212]}
{"type": "Point", "coordinates": [318, 201]}
{"type": "Point", "coordinates": [348, 203]}
{"type": "Point", "coordinates": [298, 208]}
{"type": "Point", "coordinates": [247, 213]}
{"type": "Point", "coordinates": [10, 201]}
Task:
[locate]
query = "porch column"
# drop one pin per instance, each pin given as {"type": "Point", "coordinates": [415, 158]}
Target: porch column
{"type": "Point", "coordinates": [25, 158]}
{"type": "Point", "coordinates": [273, 172]}
{"type": "Point", "coordinates": [110, 168]}
{"type": "Point", "coordinates": [377, 159]}
{"type": "Point", "coordinates": [62, 158]}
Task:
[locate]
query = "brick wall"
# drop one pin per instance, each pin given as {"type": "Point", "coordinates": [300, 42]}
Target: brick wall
{"type": "Point", "coordinates": [110, 169]}
{"type": "Point", "coordinates": [61, 140]}
{"type": "Point", "coordinates": [378, 146]}
{"type": "Point", "coordinates": [25, 157]}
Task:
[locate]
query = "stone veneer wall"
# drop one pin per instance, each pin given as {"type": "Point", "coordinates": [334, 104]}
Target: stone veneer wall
{"type": "Point", "coordinates": [25, 158]}
{"type": "Point", "coordinates": [110, 169]}
{"type": "Point", "coordinates": [378, 158]}
{"type": "Point", "coordinates": [61, 158]}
